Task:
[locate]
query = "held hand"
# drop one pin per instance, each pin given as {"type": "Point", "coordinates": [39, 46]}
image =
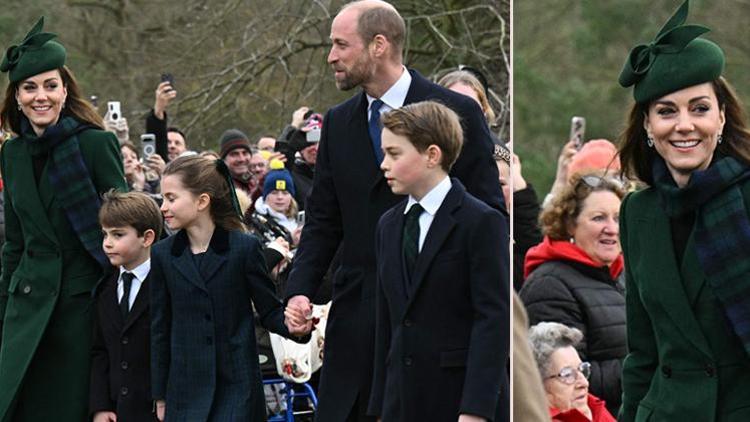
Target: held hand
{"type": "Point", "coordinates": [278, 156]}
{"type": "Point", "coordinates": [164, 95]}
{"type": "Point", "coordinates": [298, 315]}
{"type": "Point", "coordinates": [105, 417]}
{"type": "Point", "coordinates": [161, 408]}
{"type": "Point", "coordinates": [470, 418]}
{"type": "Point", "coordinates": [298, 117]}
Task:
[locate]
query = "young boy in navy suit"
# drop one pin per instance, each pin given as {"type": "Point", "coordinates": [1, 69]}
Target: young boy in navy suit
{"type": "Point", "coordinates": [120, 370]}
{"type": "Point", "coordinates": [442, 324]}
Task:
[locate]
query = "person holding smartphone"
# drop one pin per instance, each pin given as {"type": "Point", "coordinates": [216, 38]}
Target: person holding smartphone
{"type": "Point", "coordinates": [170, 141]}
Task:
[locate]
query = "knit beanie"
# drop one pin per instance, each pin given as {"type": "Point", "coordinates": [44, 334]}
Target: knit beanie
{"type": "Point", "coordinates": [597, 154]}
{"type": "Point", "coordinates": [232, 139]}
{"type": "Point", "coordinates": [278, 178]}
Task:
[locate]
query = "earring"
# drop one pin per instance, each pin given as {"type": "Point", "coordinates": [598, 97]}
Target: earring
{"type": "Point", "coordinates": [650, 142]}
{"type": "Point", "coordinates": [572, 240]}
{"type": "Point", "coordinates": [719, 138]}
{"type": "Point", "coordinates": [19, 107]}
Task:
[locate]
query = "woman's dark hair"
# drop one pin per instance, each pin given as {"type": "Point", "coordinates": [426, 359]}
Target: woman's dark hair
{"type": "Point", "coordinates": [557, 218]}
{"type": "Point", "coordinates": [637, 157]}
{"type": "Point", "coordinates": [76, 105]}
{"type": "Point", "coordinates": [199, 175]}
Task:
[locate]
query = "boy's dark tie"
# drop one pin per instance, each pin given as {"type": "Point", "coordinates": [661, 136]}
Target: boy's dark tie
{"type": "Point", "coordinates": [127, 284]}
{"type": "Point", "coordinates": [411, 238]}
{"type": "Point", "coordinates": [374, 129]}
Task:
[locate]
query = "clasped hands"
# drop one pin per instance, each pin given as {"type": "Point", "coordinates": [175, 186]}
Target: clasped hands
{"type": "Point", "coordinates": [298, 316]}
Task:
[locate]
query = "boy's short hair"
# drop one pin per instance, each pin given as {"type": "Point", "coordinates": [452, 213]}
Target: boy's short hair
{"type": "Point", "coordinates": [134, 209]}
{"type": "Point", "coordinates": [428, 123]}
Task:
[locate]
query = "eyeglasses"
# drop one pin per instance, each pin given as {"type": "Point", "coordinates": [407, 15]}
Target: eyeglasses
{"type": "Point", "coordinates": [569, 375]}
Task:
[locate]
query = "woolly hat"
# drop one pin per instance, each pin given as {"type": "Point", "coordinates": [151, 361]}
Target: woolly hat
{"type": "Point", "coordinates": [298, 139]}
{"type": "Point", "coordinates": [37, 53]}
{"type": "Point", "coordinates": [278, 178]}
{"type": "Point", "coordinates": [597, 154]}
{"type": "Point", "coordinates": [233, 139]}
{"type": "Point", "coordinates": [676, 59]}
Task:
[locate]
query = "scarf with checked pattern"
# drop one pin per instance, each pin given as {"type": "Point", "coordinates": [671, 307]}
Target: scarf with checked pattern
{"type": "Point", "coordinates": [722, 232]}
{"type": "Point", "coordinates": [70, 180]}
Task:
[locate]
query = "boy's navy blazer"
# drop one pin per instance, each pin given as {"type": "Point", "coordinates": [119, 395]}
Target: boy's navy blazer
{"type": "Point", "coordinates": [205, 360]}
{"type": "Point", "coordinates": [348, 197]}
{"type": "Point", "coordinates": [442, 339]}
{"type": "Point", "coordinates": [120, 358]}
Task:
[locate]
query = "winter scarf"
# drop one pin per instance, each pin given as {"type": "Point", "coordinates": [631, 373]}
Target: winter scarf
{"type": "Point", "coordinates": [722, 233]}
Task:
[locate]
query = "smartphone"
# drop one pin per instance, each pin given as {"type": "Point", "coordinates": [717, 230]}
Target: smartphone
{"type": "Point", "coordinates": [148, 145]}
{"type": "Point", "coordinates": [113, 108]}
{"type": "Point", "coordinates": [313, 135]}
{"type": "Point", "coordinates": [167, 77]}
{"type": "Point", "coordinates": [577, 130]}
{"type": "Point", "coordinates": [301, 218]}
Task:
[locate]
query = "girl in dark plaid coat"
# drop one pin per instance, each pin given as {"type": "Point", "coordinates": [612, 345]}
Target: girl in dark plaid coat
{"type": "Point", "coordinates": [206, 279]}
{"type": "Point", "coordinates": [686, 237]}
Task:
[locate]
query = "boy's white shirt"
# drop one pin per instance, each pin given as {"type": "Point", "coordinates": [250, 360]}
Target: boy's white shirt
{"type": "Point", "coordinates": [140, 272]}
{"type": "Point", "coordinates": [431, 202]}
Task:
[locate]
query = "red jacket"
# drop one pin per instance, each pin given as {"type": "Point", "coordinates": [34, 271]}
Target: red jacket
{"type": "Point", "coordinates": [598, 408]}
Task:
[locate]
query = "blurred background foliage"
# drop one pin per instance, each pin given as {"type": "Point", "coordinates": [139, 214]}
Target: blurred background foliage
{"type": "Point", "coordinates": [567, 56]}
{"type": "Point", "coordinates": [248, 63]}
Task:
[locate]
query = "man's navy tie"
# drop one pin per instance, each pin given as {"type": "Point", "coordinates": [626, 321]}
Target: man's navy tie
{"type": "Point", "coordinates": [127, 284]}
{"type": "Point", "coordinates": [374, 128]}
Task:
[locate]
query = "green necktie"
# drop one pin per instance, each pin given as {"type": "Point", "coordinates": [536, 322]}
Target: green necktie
{"type": "Point", "coordinates": [411, 238]}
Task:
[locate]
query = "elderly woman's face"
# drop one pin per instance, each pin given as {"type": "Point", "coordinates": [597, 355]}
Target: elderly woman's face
{"type": "Point", "coordinates": [41, 98]}
{"type": "Point", "coordinates": [597, 229]}
{"type": "Point", "coordinates": [685, 126]}
{"type": "Point", "coordinates": [561, 395]}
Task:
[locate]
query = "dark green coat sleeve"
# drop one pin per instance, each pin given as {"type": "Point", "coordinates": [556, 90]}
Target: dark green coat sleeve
{"type": "Point", "coordinates": [642, 359]}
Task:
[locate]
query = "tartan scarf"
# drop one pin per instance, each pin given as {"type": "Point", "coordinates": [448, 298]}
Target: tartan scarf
{"type": "Point", "coordinates": [71, 180]}
{"type": "Point", "coordinates": [722, 232]}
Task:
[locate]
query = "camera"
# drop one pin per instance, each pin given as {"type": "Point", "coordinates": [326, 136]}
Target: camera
{"type": "Point", "coordinates": [148, 144]}
{"type": "Point", "coordinates": [113, 108]}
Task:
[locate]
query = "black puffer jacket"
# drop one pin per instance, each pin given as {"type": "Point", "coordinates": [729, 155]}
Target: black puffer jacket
{"type": "Point", "coordinates": [586, 298]}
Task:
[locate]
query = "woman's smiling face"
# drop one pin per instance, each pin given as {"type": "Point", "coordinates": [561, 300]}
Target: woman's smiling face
{"type": "Point", "coordinates": [685, 126]}
{"type": "Point", "coordinates": [42, 98]}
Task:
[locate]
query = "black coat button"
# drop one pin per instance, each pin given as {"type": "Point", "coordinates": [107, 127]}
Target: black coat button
{"type": "Point", "coordinates": [408, 323]}
{"type": "Point", "coordinates": [124, 391]}
{"type": "Point", "coordinates": [209, 340]}
{"type": "Point", "coordinates": [408, 361]}
{"type": "Point", "coordinates": [124, 365]}
{"type": "Point", "coordinates": [710, 370]}
{"type": "Point", "coordinates": [125, 340]}
{"type": "Point", "coordinates": [666, 370]}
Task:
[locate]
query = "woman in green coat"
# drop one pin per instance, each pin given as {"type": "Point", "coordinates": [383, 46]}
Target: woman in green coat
{"type": "Point", "coordinates": [54, 171]}
{"type": "Point", "coordinates": [686, 237]}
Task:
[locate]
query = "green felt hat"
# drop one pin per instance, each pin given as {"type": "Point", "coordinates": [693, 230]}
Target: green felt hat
{"type": "Point", "coordinates": [676, 59]}
{"type": "Point", "coordinates": [37, 53]}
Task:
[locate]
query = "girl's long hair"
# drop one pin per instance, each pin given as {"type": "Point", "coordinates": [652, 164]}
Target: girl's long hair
{"type": "Point", "coordinates": [199, 175]}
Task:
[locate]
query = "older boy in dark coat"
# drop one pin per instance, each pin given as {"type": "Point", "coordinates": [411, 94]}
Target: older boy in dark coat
{"type": "Point", "coordinates": [442, 320]}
